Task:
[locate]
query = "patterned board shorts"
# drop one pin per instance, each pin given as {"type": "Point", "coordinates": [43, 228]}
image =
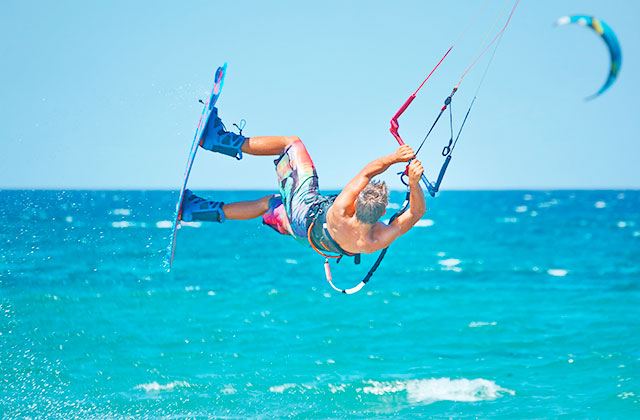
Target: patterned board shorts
{"type": "Point", "coordinates": [298, 182]}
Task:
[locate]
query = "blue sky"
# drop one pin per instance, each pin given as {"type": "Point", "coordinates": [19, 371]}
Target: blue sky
{"type": "Point", "coordinates": [104, 94]}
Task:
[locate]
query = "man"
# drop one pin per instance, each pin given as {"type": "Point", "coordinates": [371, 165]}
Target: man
{"type": "Point", "coordinates": [346, 224]}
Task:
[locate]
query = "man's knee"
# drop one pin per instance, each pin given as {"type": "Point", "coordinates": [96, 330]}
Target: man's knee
{"type": "Point", "coordinates": [289, 140]}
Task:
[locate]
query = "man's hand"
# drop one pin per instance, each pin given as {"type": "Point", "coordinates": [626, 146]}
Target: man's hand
{"type": "Point", "coordinates": [415, 172]}
{"type": "Point", "coordinates": [404, 154]}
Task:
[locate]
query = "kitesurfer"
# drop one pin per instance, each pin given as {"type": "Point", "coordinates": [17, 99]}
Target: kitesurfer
{"type": "Point", "coordinates": [346, 224]}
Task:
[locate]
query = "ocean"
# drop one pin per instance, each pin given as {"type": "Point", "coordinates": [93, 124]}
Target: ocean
{"type": "Point", "coordinates": [510, 304]}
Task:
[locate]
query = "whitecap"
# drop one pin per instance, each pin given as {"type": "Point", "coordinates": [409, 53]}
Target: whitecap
{"type": "Point", "coordinates": [547, 204]}
{"type": "Point", "coordinates": [122, 224]}
{"type": "Point", "coordinates": [428, 391]}
{"type": "Point", "coordinates": [279, 389]}
{"type": "Point", "coordinates": [620, 196]}
{"type": "Point", "coordinates": [557, 272]}
{"type": "Point", "coordinates": [228, 390]}
{"type": "Point", "coordinates": [164, 224]}
{"type": "Point", "coordinates": [191, 224]}
{"type": "Point", "coordinates": [510, 220]}
{"type": "Point", "coordinates": [424, 223]}
{"type": "Point", "coordinates": [121, 212]}
{"type": "Point", "coordinates": [291, 261]}
{"type": "Point", "coordinates": [393, 206]}
{"type": "Point", "coordinates": [622, 224]}
{"type": "Point", "coordinates": [528, 197]}
{"type": "Point", "coordinates": [156, 387]}
{"type": "Point", "coordinates": [478, 324]}
{"type": "Point", "coordinates": [600, 204]}
{"type": "Point", "coordinates": [521, 209]}
{"type": "Point", "coordinates": [68, 219]}
{"type": "Point", "coordinates": [449, 262]}
{"type": "Point", "coordinates": [625, 395]}
{"type": "Point", "coordinates": [337, 388]}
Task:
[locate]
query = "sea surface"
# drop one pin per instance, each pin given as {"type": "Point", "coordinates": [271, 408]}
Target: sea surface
{"type": "Point", "coordinates": [517, 304]}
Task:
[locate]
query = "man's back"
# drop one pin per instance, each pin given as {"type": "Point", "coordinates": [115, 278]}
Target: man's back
{"type": "Point", "coordinates": [352, 220]}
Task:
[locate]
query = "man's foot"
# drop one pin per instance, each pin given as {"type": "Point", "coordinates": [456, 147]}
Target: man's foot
{"type": "Point", "coordinates": [216, 138]}
{"type": "Point", "coordinates": [196, 209]}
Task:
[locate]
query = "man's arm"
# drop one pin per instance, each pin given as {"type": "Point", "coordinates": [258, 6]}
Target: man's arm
{"type": "Point", "coordinates": [417, 208]}
{"type": "Point", "coordinates": [347, 198]}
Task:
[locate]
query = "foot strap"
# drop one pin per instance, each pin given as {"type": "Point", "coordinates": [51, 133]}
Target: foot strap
{"type": "Point", "coordinates": [216, 138]}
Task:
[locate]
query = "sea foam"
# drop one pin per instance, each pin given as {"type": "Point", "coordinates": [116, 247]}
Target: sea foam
{"type": "Point", "coordinates": [122, 224]}
{"type": "Point", "coordinates": [557, 272]}
{"type": "Point", "coordinates": [279, 389]}
{"type": "Point", "coordinates": [478, 324]}
{"type": "Point", "coordinates": [424, 223]}
{"type": "Point", "coordinates": [121, 212]}
{"type": "Point", "coordinates": [428, 391]}
{"type": "Point", "coordinates": [156, 387]}
{"type": "Point", "coordinates": [450, 264]}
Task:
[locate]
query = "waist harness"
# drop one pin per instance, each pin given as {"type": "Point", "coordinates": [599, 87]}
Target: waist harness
{"type": "Point", "coordinates": [321, 241]}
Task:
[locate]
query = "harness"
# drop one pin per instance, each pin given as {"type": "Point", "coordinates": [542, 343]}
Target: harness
{"type": "Point", "coordinates": [318, 233]}
{"type": "Point", "coordinates": [321, 241]}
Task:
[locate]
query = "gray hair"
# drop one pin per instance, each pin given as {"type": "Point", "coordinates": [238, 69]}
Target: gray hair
{"type": "Point", "coordinates": [372, 202]}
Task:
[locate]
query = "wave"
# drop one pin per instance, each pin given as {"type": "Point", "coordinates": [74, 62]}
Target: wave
{"type": "Point", "coordinates": [122, 224]}
{"type": "Point", "coordinates": [450, 264]}
{"type": "Point", "coordinates": [418, 391]}
{"type": "Point", "coordinates": [429, 391]}
{"type": "Point", "coordinates": [166, 224]}
{"type": "Point", "coordinates": [279, 389]}
{"type": "Point", "coordinates": [557, 272]}
{"type": "Point", "coordinates": [120, 212]}
{"type": "Point", "coordinates": [156, 387]}
{"type": "Point", "coordinates": [478, 324]}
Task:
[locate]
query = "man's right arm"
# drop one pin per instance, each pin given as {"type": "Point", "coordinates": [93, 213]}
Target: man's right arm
{"type": "Point", "coordinates": [347, 197]}
{"type": "Point", "coordinates": [417, 208]}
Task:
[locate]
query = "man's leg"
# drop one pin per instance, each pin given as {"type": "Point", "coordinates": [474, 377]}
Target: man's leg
{"type": "Point", "coordinates": [198, 209]}
{"type": "Point", "coordinates": [216, 138]}
{"type": "Point", "coordinates": [245, 210]}
{"type": "Point", "coordinates": [268, 145]}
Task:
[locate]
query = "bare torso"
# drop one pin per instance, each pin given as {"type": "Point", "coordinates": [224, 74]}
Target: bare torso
{"type": "Point", "coordinates": [357, 237]}
{"type": "Point", "coordinates": [352, 235]}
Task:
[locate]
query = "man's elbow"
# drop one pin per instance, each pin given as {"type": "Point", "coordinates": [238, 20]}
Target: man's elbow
{"type": "Point", "coordinates": [418, 213]}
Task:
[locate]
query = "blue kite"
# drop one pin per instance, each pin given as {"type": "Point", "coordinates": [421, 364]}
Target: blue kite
{"type": "Point", "coordinates": [610, 39]}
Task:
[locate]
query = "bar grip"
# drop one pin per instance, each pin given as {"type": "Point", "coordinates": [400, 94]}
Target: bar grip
{"type": "Point", "coordinates": [443, 170]}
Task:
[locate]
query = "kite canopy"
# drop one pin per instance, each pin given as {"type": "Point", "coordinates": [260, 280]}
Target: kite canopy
{"type": "Point", "coordinates": [609, 38]}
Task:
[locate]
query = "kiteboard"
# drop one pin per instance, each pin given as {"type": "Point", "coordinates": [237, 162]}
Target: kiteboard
{"type": "Point", "coordinates": [204, 118]}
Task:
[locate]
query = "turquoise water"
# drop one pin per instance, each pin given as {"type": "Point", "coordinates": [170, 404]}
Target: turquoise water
{"type": "Point", "coordinates": [500, 304]}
